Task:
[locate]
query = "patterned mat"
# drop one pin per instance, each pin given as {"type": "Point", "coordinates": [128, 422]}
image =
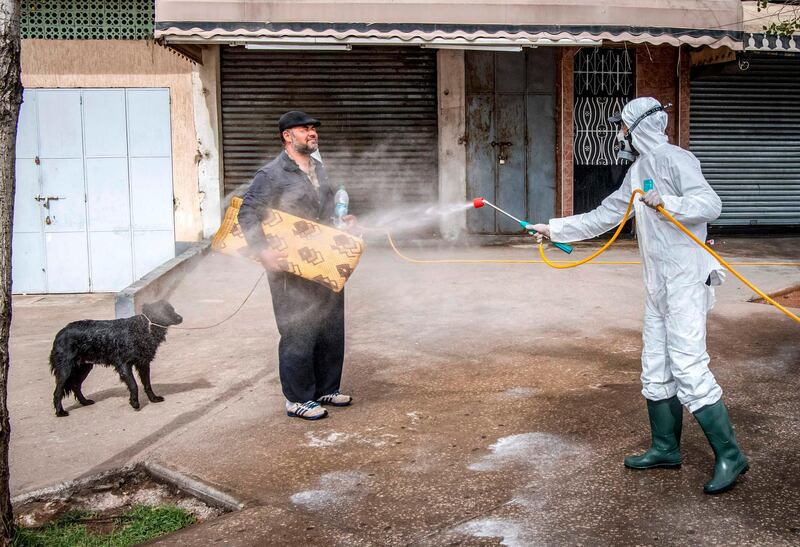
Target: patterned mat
{"type": "Point", "coordinates": [316, 252]}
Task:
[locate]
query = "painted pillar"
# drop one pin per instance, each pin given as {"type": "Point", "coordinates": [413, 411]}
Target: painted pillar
{"type": "Point", "coordinates": [206, 102]}
{"type": "Point", "coordinates": [565, 93]}
{"type": "Point", "coordinates": [656, 76]}
{"type": "Point", "coordinates": [684, 69]}
{"type": "Point", "coordinates": [452, 133]}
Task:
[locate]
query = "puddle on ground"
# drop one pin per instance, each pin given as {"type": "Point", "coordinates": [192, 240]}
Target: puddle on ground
{"type": "Point", "coordinates": [335, 489]}
{"type": "Point", "coordinates": [508, 531]}
{"type": "Point", "coordinates": [538, 450]}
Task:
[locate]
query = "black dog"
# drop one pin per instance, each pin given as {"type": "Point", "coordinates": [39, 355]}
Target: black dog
{"type": "Point", "coordinates": [124, 344]}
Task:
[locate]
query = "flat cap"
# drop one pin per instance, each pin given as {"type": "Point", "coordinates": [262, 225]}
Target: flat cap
{"type": "Point", "coordinates": [296, 118]}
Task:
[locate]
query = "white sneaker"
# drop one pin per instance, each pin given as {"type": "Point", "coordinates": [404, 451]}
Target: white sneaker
{"type": "Point", "coordinates": [335, 399]}
{"type": "Point", "coordinates": [310, 410]}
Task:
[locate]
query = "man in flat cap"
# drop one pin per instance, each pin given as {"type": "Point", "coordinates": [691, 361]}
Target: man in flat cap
{"type": "Point", "coordinates": [310, 317]}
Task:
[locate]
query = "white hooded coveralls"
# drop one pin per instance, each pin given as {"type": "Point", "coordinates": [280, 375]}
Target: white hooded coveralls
{"type": "Point", "coordinates": [674, 357]}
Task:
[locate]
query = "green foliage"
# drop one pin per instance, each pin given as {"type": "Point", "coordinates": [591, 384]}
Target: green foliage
{"type": "Point", "coordinates": [135, 526]}
{"type": "Point", "coordinates": [789, 14]}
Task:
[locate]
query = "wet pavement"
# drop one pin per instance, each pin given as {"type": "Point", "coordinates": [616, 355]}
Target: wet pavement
{"type": "Point", "coordinates": [494, 403]}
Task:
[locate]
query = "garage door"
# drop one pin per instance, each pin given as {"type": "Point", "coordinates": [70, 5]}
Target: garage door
{"type": "Point", "coordinates": [745, 129]}
{"type": "Point", "coordinates": [93, 205]}
{"type": "Point", "coordinates": [378, 112]}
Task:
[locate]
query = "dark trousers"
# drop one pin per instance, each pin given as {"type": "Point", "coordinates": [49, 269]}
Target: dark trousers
{"type": "Point", "coordinates": [310, 320]}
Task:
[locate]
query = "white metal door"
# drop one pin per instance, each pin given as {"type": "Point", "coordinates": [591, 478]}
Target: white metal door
{"type": "Point", "coordinates": [28, 264]}
{"type": "Point", "coordinates": [150, 164]}
{"type": "Point", "coordinates": [107, 190]}
{"type": "Point", "coordinates": [62, 178]}
{"type": "Point", "coordinates": [94, 206]}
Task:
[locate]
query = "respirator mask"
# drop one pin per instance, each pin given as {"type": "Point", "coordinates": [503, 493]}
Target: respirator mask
{"type": "Point", "coordinates": [625, 149]}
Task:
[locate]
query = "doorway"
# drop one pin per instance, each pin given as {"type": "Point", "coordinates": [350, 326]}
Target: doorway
{"type": "Point", "coordinates": [604, 82]}
{"type": "Point", "coordinates": [511, 135]}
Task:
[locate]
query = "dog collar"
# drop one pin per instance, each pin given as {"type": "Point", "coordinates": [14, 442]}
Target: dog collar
{"type": "Point", "coordinates": [151, 323]}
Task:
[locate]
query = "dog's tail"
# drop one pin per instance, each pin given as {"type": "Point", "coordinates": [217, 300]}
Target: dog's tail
{"type": "Point", "coordinates": [57, 354]}
{"type": "Point", "coordinates": [63, 357]}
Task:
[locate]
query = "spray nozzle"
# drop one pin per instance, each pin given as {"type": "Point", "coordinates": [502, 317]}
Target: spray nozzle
{"type": "Point", "coordinates": [480, 202]}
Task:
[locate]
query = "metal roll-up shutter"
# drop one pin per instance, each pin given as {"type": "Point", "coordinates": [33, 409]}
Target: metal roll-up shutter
{"type": "Point", "coordinates": [745, 130]}
{"type": "Point", "coordinates": [378, 111]}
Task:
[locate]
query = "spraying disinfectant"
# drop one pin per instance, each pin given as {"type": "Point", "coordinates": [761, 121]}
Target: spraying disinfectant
{"type": "Point", "coordinates": [527, 226]}
{"type": "Point", "coordinates": [341, 202]}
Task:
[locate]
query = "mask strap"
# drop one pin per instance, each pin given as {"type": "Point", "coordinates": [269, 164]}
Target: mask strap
{"type": "Point", "coordinates": [650, 112]}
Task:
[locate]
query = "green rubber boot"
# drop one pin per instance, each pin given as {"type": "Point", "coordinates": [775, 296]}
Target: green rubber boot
{"type": "Point", "coordinates": [730, 462]}
{"type": "Point", "coordinates": [666, 421]}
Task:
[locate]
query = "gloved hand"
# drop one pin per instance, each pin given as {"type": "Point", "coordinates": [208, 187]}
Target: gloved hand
{"type": "Point", "coordinates": [652, 199]}
{"type": "Point", "coordinates": [542, 231]}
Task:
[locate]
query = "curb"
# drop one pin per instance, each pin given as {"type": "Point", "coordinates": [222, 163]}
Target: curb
{"type": "Point", "coordinates": [203, 492]}
{"type": "Point", "coordinates": [758, 300]}
{"type": "Point", "coordinates": [200, 490]}
{"type": "Point", "coordinates": [67, 488]}
{"type": "Point", "coordinates": [158, 283]}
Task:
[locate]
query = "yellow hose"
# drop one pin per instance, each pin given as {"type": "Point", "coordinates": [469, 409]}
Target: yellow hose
{"type": "Point", "coordinates": [407, 258]}
{"type": "Point", "coordinates": [489, 261]}
{"type": "Point", "coordinates": [560, 265]}
{"type": "Point", "coordinates": [564, 264]}
{"type": "Point", "coordinates": [598, 252]}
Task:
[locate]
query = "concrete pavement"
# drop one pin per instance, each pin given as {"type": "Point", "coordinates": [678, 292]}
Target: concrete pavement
{"type": "Point", "coordinates": [494, 403]}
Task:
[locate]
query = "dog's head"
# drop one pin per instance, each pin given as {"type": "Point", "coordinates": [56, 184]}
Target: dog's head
{"type": "Point", "coordinates": [161, 312]}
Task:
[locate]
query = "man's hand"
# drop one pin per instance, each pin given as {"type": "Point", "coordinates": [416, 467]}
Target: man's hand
{"type": "Point", "coordinates": [652, 199]}
{"type": "Point", "coordinates": [272, 259]}
{"type": "Point", "coordinates": [542, 231]}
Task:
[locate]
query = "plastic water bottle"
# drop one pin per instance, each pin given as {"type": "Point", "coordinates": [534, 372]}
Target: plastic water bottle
{"type": "Point", "coordinates": [341, 200]}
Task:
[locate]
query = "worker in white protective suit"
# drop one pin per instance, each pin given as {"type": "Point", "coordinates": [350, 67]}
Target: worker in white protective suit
{"type": "Point", "coordinates": [678, 276]}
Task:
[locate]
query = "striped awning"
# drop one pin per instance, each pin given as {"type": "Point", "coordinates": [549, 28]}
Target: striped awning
{"type": "Point", "coordinates": [475, 23]}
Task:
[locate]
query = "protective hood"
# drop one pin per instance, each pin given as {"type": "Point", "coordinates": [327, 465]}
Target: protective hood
{"type": "Point", "coordinates": [649, 132]}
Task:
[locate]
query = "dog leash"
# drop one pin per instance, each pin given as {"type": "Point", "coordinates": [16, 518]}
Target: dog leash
{"type": "Point", "coordinates": [150, 322]}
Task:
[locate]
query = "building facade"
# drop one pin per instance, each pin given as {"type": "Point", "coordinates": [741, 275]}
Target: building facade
{"type": "Point", "coordinates": [107, 149]}
{"type": "Point", "coordinates": [522, 90]}
{"type": "Point", "coordinates": [421, 102]}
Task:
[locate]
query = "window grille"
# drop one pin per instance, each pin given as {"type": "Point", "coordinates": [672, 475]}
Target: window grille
{"type": "Point", "coordinates": [88, 19]}
{"type": "Point", "coordinates": [604, 82]}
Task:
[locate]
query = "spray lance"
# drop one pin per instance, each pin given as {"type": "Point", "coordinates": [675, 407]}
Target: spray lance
{"type": "Point", "coordinates": [480, 202]}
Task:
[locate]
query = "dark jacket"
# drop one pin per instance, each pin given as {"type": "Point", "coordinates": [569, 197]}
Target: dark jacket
{"type": "Point", "coordinates": [281, 185]}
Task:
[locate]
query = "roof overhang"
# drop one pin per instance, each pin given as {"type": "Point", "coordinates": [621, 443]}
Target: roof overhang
{"type": "Point", "coordinates": [475, 23]}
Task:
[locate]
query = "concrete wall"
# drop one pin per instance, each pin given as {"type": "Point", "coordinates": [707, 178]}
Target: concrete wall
{"type": "Point", "coordinates": [656, 70]}
{"type": "Point", "coordinates": [451, 90]}
{"type": "Point", "coordinates": [123, 63]}
{"type": "Point", "coordinates": [663, 72]}
{"type": "Point", "coordinates": [684, 70]}
{"type": "Point", "coordinates": [626, 13]}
